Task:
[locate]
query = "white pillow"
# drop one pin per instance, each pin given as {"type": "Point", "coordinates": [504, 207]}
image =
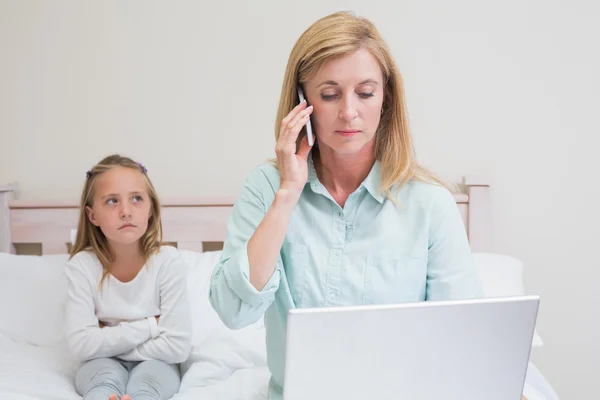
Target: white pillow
{"type": "Point", "coordinates": [33, 291]}
{"type": "Point", "coordinates": [204, 317]}
{"type": "Point", "coordinates": [501, 275]}
{"type": "Point", "coordinates": [32, 294]}
{"type": "Point", "coordinates": [217, 351]}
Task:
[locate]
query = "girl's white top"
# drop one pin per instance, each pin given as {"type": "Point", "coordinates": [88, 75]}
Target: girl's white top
{"type": "Point", "coordinates": [128, 310]}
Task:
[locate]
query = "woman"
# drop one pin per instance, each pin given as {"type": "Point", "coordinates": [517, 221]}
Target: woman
{"type": "Point", "coordinates": [353, 220]}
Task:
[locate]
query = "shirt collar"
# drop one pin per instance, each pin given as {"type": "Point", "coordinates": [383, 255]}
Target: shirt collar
{"type": "Point", "coordinates": [371, 183]}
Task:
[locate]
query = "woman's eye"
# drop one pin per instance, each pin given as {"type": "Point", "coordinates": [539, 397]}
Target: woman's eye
{"type": "Point", "coordinates": [327, 97]}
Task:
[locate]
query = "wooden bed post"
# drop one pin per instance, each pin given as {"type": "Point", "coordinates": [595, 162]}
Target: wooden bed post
{"type": "Point", "coordinates": [479, 213]}
{"type": "Point", "coordinates": [6, 194]}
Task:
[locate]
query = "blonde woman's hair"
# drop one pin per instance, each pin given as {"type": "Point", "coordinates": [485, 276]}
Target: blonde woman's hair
{"type": "Point", "coordinates": [90, 237]}
{"type": "Point", "coordinates": [340, 34]}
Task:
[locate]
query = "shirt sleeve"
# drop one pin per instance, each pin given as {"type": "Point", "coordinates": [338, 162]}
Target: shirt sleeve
{"type": "Point", "coordinates": [451, 272]}
{"type": "Point", "coordinates": [173, 342]}
{"type": "Point", "coordinates": [85, 338]}
{"type": "Point", "coordinates": [233, 297]}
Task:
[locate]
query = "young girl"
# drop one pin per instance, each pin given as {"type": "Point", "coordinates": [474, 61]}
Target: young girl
{"type": "Point", "coordinates": [127, 314]}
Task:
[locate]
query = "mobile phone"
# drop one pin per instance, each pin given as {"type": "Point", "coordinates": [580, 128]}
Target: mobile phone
{"type": "Point", "coordinates": [308, 125]}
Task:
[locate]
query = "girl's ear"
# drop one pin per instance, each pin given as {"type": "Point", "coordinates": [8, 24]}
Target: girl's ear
{"type": "Point", "coordinates": [91, 216]}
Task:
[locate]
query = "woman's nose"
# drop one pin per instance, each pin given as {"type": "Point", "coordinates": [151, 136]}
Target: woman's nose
{"type": "Point", "coordinates": [348, 111]}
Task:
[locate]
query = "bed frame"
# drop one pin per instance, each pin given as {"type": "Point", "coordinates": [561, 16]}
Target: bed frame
{"type": "Point", "coordinates": [197, 224]}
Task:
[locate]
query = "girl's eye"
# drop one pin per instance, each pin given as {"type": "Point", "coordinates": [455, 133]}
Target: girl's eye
{"type": "Point", "coordinates": [111, 201]}
{"type": "Point", "coordinates": [365, 95]}
{"type": "Point", "coordinates": [137, 198]}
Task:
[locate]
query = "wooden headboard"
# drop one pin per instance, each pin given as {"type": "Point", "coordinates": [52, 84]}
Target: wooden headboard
{"type": "Point", "coordinates": [189, 223]}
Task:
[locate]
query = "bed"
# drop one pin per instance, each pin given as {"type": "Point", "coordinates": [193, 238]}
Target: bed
{"type": "Point", "coordinates": [34, 240]}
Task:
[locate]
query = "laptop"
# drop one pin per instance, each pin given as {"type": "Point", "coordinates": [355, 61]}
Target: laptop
{"type": "Point", "coordinates": [440, 350]}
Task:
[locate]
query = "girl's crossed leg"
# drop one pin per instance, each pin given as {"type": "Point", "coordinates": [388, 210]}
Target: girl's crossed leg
{"type": "Point", "coordinates": [113, 379]}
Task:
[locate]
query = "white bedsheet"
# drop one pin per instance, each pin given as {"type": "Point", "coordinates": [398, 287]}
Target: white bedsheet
{"type": "Point", "coordinates": [31, 372]}
{"type": "Point", "coordinates": [218, 370]}
{"type": "Point", "coordinates": [223, 368]}
{"type": "Point", "coordinates": [225, 364]}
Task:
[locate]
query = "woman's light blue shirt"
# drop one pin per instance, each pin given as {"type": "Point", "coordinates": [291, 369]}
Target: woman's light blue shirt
{"type": "Point", "coordinates": [371, 251]}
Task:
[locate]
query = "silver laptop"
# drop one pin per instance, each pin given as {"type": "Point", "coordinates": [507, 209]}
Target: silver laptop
{"type": "Point", "coordinates": [446, 350]}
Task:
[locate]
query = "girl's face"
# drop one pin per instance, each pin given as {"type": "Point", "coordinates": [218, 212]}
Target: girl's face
{"type": "Point", "coordinates": [121, 205]}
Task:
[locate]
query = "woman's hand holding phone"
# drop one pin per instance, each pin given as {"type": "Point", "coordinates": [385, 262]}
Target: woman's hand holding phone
{"type": "Point", "coordinates": [293, 167]}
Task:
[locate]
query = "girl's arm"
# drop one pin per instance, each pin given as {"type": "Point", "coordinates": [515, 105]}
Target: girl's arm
{"type": "Point", "coordinates": [85, 338]}
{"type": "Point", "coordinates": [174, 340]}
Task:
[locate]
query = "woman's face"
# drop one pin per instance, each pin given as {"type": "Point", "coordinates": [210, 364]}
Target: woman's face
{"type": "Point", "coordinates": [347, 96]}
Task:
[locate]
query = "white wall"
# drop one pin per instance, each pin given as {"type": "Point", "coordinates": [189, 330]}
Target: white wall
{"type": "Point", "coordinates": [509, 89]}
